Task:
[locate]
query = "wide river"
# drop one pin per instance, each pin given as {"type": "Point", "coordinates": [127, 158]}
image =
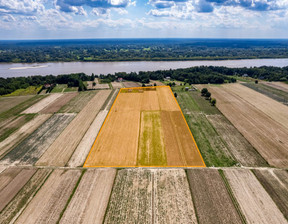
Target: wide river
{"type": "Point", "coordinates": [56, 68]}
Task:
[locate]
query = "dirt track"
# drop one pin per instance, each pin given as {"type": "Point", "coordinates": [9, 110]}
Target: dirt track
{"type": "Point", "coordinates": [266, 135]}
{"type": "Point", "coordinates": [22, 133]}
{"type": "Point", "coordinates": [42, 104]}
{"type": "Point", "coordinates": [33, 147]}
{"type": "Point", "coordinates": [90, 200]}
{"type": "Point", "coordinates": [59, 153]}
{"type": "Point", "coordinates": [211, 198]}
{"type": "Point", "coordinates": [57, 104]}
{"type": "Point", "coordinates": [254, 201]}
{"type": "Point", "coordinates": [48, 203]}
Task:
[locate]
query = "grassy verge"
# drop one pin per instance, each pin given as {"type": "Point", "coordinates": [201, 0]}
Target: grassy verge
{"type": "Point", "coordinates": [59, 88]}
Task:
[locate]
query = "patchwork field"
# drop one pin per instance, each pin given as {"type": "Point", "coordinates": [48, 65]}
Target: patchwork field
{"type": "Point", "coordinates": [145, 127]}
{"type": "Point", "coordinates": [266, 135]}
{"type": "Point", "coordinates": [9, 102]}
{"type": "Point", "coordinates": [278, 85]}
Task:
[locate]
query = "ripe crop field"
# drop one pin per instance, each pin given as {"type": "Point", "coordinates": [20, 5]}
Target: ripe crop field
{"type": "Point", "coordinates": [49, 202]}
{"type": "Point", "coordinates": [90, 200]}
{"type": "Point", "coordinates": [144, 127]}
{"type": "Point", "coordinates": [254, 201]}
{"type": "Point", "coordinates": [35, 108]}
{"type": "Point", "coordinates": [211, 197]}
{"type": "Point", "coordinates": [275, 183]}
{"type": "Point", "coordinates": [150, 196]}
{"type": "Point", "coordinates": [33, 147]}
{"type": "Point", "coordinates": [60, 102]}
{"type": "Point", "coordinates": [267, 136]}
{"type": "Point", "coordinates": [59, 153]}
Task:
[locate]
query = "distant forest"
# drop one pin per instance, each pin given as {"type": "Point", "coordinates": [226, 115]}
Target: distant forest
{"type": "Point", "coordinates": [140, 49]}
{"type": "Point", "coordinates": [193, 75]}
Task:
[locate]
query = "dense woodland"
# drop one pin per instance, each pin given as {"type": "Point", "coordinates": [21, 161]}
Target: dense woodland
{"type": "Point", "coordinates": [140, 49]}
{"type": "Point", "coordinates": [193, 75]}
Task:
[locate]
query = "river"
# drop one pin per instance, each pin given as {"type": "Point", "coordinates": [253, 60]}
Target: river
{"type": "Point", "coordinates": [56, 68]}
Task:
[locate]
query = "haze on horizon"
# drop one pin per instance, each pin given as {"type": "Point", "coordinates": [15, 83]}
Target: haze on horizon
{"type": "Point", "coordinates": [74, 19]}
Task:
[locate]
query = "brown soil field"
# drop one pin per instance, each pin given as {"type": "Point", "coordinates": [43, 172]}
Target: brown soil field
{"type": "Point", "coordinates": [116, 85]}
{"type": "Point", "coordinates": [242, 150]}
{"type": "Point", "coordinates": [102, 86]}
{"type": "Point", "coordinates": [59, 103]}
{"type": "Point", "coordinates": [78, 103]}
{"type": "Point", "coordinates": [33, 147]}
{"type": "Point", "coordinates": [9, 102]}
{"type": "Point", "coordinates": [51, 199]}
{"type": "Point", "coordinates": [275, 110]}
{"type": "Point", "coordinates": [14, 186]}
{"type": "Point", "coordinates": [82, 150]}
{"type": "Point", "coordinates": [131, 84]}
{"type": "Point", "coordinates": [277, 85]}
{"type": "Point", "coordinates": [59, 153]}
{"type": "Point", "coordinates": [275, 183]}
{"type": "Point", "coordinates": [11, 212]}
{"type": "Point", "coordinates": [181, 150]}
{"type": "Point", "coordinates": [158, 83]}
{"type": "Point", "coordinates": [254, 201]}
{"type": "Point", "coordinates": [90, 200]}
{"type": "Point", "coordinates": [268, 137]}
{"type": "Point", "coordinates": [2, 168]}
{"type": "Point", "coordinates": [7, 176]}
{"type": "Point", "coordinates": [211, 198]}
{"type": "Point", "coordinates": [118, 140]}
{"type": "Point", "coordinates": [172, 197]}
{"type": "Point", "coordinates": [42, 104]}
{"type": "Point", "coordinates": [150, 196]}
{"type": "Point", "coordinates": [21, 133]}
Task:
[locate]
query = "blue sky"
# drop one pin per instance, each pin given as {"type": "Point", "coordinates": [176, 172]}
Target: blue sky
{"type": "Point", "coordinates": [69, 19]}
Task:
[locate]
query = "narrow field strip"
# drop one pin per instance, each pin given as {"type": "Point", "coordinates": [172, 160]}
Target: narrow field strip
{"type": "Point", "coordinates": [59, 153]}
{"type": "Point", "coordinates": [254, 201]}
{"type": "Point", "coordinates": [211, 198]}
{"type": "Point", "coordinates": [90, 200]}
{"type": "Point", "coordinates": [58, 103]}
{"type": "Point", "coordinates": [275, 182]}
{"type": "Point", "coordinates": [21, 133]}
{"type": "Point", "coordinates": [42, 104]}
{"type": "Point", "coordinates": [50, 200]}
{"type": "Point", "coordinates": [32, 148]}
{"type": "Point", "coordinates": [278, 85]}
{"type": "Point", "coordinates": [7, 176]}
{"type": "Point", "coordinates": [10, 102]}
{"type": "Point", "coordinates": [12, 211]}
{"type": "Point", "coordinates": [14, 186]}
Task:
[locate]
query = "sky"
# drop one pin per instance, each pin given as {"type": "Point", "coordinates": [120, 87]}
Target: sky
{"type": "Point", "coordinates": [75, 19]}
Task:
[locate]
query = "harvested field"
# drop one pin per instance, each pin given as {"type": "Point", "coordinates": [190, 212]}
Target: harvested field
{"type": "Point", "coordinates": [275, 110]}
{"type": "Point", "coordinates": [131, 84]}
{"type": "Point", "coordinates": [33, 147]}
{"type": "Point", "coordinates": [10, 102]}
{"type": "Point", "coordinates": [117, 143]}
{"type": "Point", "coordinates": [275, 182]}
{"type": "Point", "coordinates": [158, 83]}
{"type": "Point", "coordinates": [151, 142]}
{"type": "Point", "coordinates": [11, 212]}
{"type": "Point", "coordinates": [2, 168]}
{"type": "Point", "coordinates": [278, 85]}
{"type": "Point", "coordinates": [51, 199]}
{"type": "Point", "coordinates": [211, 198]}
{"type": "Point", "coordinates": [90, 200]}
{"type": "Point", "coordinates": [150, 196]}
{"type": "Point", "coordinates": [14, 186]}
{"type": "Point", "coordinates": [254, 201]}
{"type": "Point", "coordinates": [82, 150]}
{"type": "Point", "coordinates": [21, 133]}
{"type": "Point", "coordinates": [116, 85]}
{"type": "Point", "coordinates": [7, 176]}
{"type": "Point", "coordinates": [243, 151]}
{"type": "Point", "coordinates": [267, 136]}
{"type": "Point", "coordinates": [78, 103]}
{"type": "Point", "coordinates": [42, 104]}
{"type": "Point", "coordinates": [102, 86]}
{"type": "Point", "coordinates": [59, 153]}
{"type": "Point", "coordinates": [14, 124]}
{"type": "Point", "coordinates": [60, 102]}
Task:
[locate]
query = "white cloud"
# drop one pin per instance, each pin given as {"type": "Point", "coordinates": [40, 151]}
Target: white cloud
{"type": "Point", "coordinates": [25, 7]}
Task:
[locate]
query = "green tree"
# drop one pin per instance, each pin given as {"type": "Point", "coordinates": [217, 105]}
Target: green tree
{"type": "Point", "coordinates": [213, 101]}
{"type": "Point", "coordinates": [208, 95]}
{"type": "Point", "coordinates": [204, 91]}
{"type": "Point", "coordinates": [175, 94]}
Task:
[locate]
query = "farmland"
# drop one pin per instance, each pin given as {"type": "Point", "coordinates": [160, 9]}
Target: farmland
{"type": "Point", "coordinates": [9, 102]}
{"type": "Point", "coordinates": [155, 114]}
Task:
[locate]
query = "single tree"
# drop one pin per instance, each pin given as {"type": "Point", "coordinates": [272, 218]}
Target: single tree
{"type": "Point", "coordinates": [143, 85]}
{"type": "Point", "coordinates": [204, 91]}
{"type": "Point", "coordinates": [256, 81]}
{"type": "Point", "coordinates": [94, 83]}
{"type": "Point", "coordinates": [175, 94]}
{"type": "Point", "coordinates": [208, 95]}
{"type": "Point", "coordinates": [213, 101]}
{"type": "Point", "coordinates": [155, 84]}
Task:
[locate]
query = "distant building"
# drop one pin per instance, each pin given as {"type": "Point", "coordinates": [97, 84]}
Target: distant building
{"type": "Point", "coordinates": [167, 78]}
{"type": "Point", "coordinates": [119, 80]}
{"type": "Point", "coordinates": [46, 86]}
{"type": "Point", "coordinates": [245, 75]}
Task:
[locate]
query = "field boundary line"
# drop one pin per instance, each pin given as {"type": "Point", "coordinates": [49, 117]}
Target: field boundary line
{"type": "Point", "coordinates": [101, 129]}
{"type": "Point", "coordinates": [188, 128]}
